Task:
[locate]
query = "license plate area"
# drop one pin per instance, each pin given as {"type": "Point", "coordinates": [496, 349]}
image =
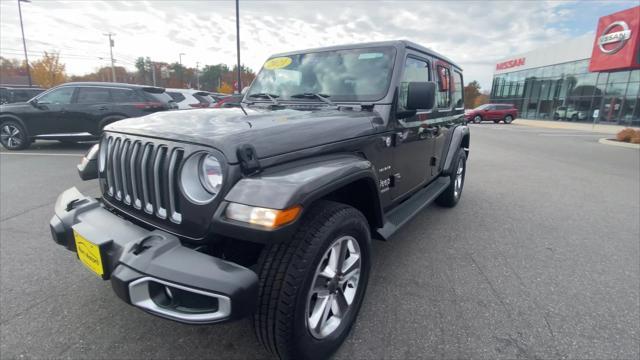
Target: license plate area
{"type": "Point", "coordinates": [90, 254]}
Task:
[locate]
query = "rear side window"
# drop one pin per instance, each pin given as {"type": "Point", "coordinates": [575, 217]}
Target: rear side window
{"type": "Point", "coordinates": [202, 98]}
{"type": "Point", "coordinates": [124, 96]}
{"type": "Point", "coordinates": [458, 101]}
{"type": "Point", "coordinates": [93, 96]}
{"type": "Point", "coordinates": [162, 97]}
{"type": "Point", "coordinates": [176, 96]}
{"type": "Point", "coordinates": [443, 96]}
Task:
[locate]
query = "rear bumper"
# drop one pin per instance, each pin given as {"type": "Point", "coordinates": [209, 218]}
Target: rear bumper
{"type": "Point", "coordinates": [152, 270]}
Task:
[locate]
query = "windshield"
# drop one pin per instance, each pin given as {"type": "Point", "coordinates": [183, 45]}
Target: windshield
{"type": "Point", "coordinates": [342, 75]}
{"type": "Point", "coordinates": [482, 107]}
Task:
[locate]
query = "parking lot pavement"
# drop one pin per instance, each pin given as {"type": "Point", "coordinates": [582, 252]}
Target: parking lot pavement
{"type": "Point", "coordinates": [539, 260]}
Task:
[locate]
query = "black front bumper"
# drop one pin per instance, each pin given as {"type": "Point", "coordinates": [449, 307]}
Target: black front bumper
{"type": "Point", "coordinates": [152, 269]}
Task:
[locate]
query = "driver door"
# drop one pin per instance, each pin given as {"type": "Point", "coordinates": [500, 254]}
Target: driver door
{"type": "Point", "coordinates": [50, 108]}
{"type": "Point", "coordinates": [414, 141]}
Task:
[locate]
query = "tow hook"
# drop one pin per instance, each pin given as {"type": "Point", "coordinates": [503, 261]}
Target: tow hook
{"type": "Point", "coordinates": [141, 246]}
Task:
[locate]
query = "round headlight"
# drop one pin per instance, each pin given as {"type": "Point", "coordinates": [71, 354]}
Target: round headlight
{"type": "Point", "coordinates": [211, 174]}
{"type": "Point", "coordinates": [201, 177]}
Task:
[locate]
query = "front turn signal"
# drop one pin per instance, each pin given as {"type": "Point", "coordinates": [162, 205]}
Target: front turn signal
{"type": "Point", "coordinates": [270, 218]}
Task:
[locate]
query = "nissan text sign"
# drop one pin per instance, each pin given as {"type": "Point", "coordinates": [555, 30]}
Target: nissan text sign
{"type": "Point", "coordinates": [510, 64]}
{"type": "Point", "coordinates": [617, 42]}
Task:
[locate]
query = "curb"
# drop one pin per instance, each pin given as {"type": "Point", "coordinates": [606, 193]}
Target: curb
{"type": "Point", "coordinates": [619, 143]}
{"type": "Point", "coordinates": [563, 125]}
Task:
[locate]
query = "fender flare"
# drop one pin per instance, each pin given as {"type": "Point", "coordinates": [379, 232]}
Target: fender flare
{"type": "Point", "coordinates": [304, 181]}
{"type": "Point", "coordinates": [460, 138]}
{"type": "Point", "coordinates": [12, 117]}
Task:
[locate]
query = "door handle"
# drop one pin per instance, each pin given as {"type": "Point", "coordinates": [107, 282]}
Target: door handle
{"type": "Point", "coordinates": [102, 108]}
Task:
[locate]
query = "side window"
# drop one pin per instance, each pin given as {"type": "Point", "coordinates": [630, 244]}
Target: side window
{"type": "Point", "coordinates": [58, 96]}
{"type": "Point", "coordinates": [443, 96]}
{"type": "Point", "coordinates": [93, 96]}
{"type": "Point", "coordinates": [124, 96]}
{"type": "Point", "coordinates": [458, 90]}
{"type": "Point", "coordinates": [176, 96]}
{"type": "Point", "coordinates": [414, 71]}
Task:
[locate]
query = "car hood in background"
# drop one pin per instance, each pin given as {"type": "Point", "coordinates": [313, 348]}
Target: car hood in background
{"type": "Point", "coordinates": [271, 132]}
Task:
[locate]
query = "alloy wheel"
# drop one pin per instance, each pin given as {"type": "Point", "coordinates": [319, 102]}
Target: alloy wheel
{"type": "Point", "coordinates": [334, 287]}
{"type": "Point", "coordinates": [11, 136]}
{"type": "Point", "coordinates": [477, 119]}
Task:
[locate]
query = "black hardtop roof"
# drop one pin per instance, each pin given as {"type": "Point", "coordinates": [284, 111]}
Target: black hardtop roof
{"type": "Point", "coordinates": [395, 43]}
{"type": "Point", "coordinates": [109, 84]}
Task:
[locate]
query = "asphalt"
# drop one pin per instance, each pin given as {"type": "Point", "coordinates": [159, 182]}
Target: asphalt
{"type": "Point", "coordinates": [540, 260]}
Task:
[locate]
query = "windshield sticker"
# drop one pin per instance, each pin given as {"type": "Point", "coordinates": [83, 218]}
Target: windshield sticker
{"type": "Point", "coordinates": [277, 63]}
{"type": "Point", "coordinates": [367, 56]}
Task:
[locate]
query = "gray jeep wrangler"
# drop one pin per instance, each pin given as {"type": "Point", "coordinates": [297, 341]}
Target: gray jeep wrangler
{"type": "Point", "coordinates": [268, 210]}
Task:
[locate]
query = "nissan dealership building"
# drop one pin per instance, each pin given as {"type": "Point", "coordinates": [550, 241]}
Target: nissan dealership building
{"type": "Point", "coordinates": [587, 79]}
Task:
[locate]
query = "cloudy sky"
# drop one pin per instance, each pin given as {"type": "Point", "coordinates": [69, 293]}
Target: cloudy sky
{"type": "Point", "coordinates": [473, 33]}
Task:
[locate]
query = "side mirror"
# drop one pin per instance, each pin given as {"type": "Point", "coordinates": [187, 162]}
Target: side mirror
{"type": "Point", "coordinates": [421, 95]}
{"type": "Point", "coordinates": [88, 167]}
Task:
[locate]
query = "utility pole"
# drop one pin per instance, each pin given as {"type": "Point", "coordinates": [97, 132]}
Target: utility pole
{"type": "Point", "coordinates": [24, 43]}
{"type": "Point", "coordinates": [197, 75]}
{"type": "Point", "coordinates": [113, 68]}
{"type": "Point", "coordinates": [181, 70]}
{"type": "Point", "coordinates": [238, 43]}
{"type": "Point", "coordinates": [153, 72]}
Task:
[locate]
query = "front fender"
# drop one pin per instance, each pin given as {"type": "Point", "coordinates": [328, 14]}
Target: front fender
{"type": "Point", "coordinates": [300, 182]}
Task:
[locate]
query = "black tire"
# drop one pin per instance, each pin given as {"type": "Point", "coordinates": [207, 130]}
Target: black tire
{"type": "Point", "coordinates": [106, 121]}
{"type": "Point", "coordinates": [496, 121]}
{"type": "Point", "coordinates": [574, 117]}
{"type": "Point", "coordinates": [452, 194]}
{"type": "Point", "coordinates": [68, 142]}
{"type": "Point", "coordinates": [477, 119]}
{"type": "Point", "coordinates": [13, 135]}
{"type": "Point", "coordinates": [508, 119]}
{"type": "Point", "coordinates": [288, 270]}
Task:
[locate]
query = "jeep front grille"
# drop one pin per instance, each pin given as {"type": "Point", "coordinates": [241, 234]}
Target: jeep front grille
{"type": "Point", "coordinates": [144, 175]}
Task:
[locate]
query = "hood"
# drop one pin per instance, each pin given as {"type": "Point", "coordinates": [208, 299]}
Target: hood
{"type": "Point", "coordinates": [271, 132]}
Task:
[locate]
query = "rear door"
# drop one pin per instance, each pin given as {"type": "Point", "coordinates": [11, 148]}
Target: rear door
{"type": "Point", "coordinates": [91, 105]}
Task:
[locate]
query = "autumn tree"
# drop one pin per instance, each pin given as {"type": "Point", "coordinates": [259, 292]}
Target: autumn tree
{"type": "Point", "coordinates": [480, 100]}
{"type": "Point", "coordinates": [48, 71]}
{"type": "Point", "coordinates": [225, 88]}
{"type": "Point", "coordinates": [471, 92]}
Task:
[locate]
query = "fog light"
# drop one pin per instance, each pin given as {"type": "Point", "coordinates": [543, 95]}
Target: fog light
{"type": "Point", "coordinates": [271, 218]}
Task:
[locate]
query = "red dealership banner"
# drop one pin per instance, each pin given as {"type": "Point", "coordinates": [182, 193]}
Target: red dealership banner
{"type": "Point", "coordinates": [510, 63]}
{"type": "Point", "coordinates": [617, 42]}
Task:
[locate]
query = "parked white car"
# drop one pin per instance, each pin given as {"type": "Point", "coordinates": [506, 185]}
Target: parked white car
{"type": "Point", "coordinates": [191, 98]}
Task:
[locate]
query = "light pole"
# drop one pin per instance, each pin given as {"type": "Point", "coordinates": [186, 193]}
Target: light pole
{"type": "Point", "coordinates": [113, 69]}
{"type": "Point", "coordinates": [238, 43]}
{"type": "Point", "coordinates": [181, 69]}
{"type": "Point", "coordinates": [197, 75]}
{"type": "Point", "coordinates": [24, 43]}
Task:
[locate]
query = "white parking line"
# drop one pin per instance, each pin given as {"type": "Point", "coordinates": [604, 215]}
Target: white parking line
{"type": "Point", "coordinates": [37, 154]}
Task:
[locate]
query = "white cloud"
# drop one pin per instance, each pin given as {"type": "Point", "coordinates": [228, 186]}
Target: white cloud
{"type": "Point", "coordinates": [473, 33]}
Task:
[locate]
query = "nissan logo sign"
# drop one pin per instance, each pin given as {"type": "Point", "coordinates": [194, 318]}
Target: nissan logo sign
{"type": "Point", "coordinates": [619, 37]}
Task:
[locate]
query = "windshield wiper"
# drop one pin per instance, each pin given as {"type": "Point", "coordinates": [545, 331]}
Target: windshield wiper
{"type": "Point", "coordinates": [271, 97]}
{"type": "Point", "coordinates": [323, 97]}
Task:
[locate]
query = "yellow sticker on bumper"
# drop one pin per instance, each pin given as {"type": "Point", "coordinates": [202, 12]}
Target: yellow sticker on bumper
{"type": "Point", "coordinates": [89, 254]}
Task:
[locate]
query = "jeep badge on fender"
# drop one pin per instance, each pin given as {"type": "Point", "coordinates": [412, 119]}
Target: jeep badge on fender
{"type": "Point", "coordinates": [269, 210]}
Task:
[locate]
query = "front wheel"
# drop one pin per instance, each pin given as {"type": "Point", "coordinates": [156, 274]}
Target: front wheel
{"type": "Point", "coordinates": [477, 119]}
{"type": "Point", "coordinates": [451, 195]}
{"type": "Point", "coordinates": [311, 287]}
{"type": "Point", "coordinates": [508, 119]}
{"type": "Point", "coordinates": [13, 136]}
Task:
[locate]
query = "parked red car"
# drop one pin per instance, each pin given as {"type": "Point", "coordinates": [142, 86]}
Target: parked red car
{"type": "Point", "coordinates": [229, 101]}
{"type": "Point", "coordinates": [492, 112]}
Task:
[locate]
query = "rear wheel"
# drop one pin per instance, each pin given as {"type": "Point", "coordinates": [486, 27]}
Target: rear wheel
{"type": "Point", "coordinates": [311, 287]}
{"type": "Point", "coordinates": [452, 194]}
{"type": "Point", "coordinates": [508, 119]}
{"type": "Point", "coordinates": [13, 136]}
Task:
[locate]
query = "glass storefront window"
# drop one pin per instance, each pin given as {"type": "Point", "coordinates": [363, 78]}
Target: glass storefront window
{"type": "Point", "coordinates": [582, 66]}
{"type": "Point", "coordinates": [602, 78]}
{"type": "Point", "coordinates": [635, 76]}
{"type": "Point", "coordinates": [617, 89]}
{"type": "Point", "coordinates": [618, 77]}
